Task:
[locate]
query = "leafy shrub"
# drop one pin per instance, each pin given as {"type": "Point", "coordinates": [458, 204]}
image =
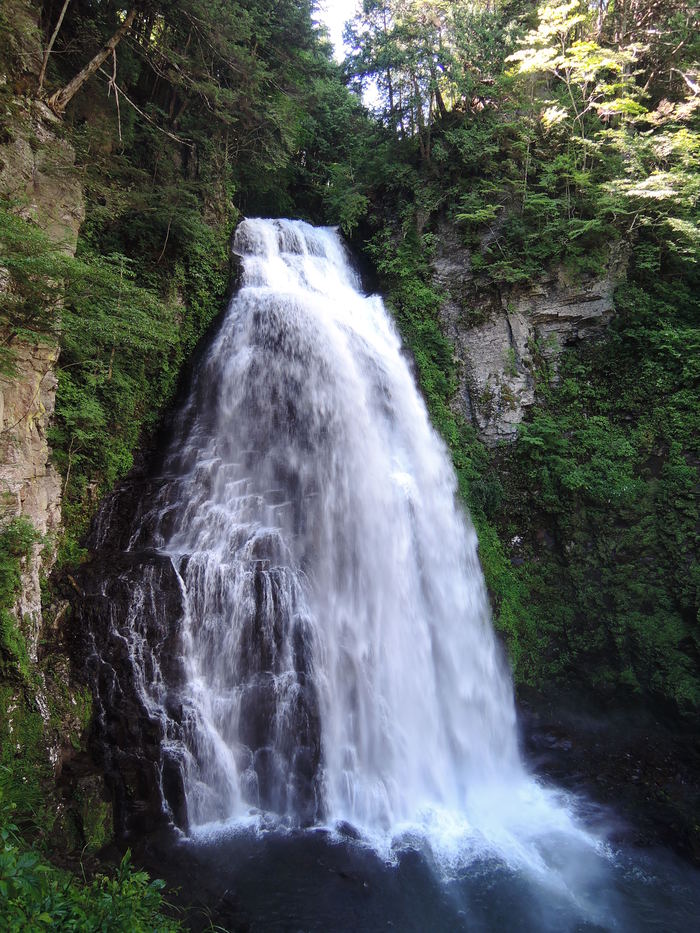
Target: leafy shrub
{"type": "Point", "coordinates": [35, 895]}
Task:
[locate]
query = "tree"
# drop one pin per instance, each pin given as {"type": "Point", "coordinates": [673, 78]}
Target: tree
{"type": "Point", "coordinates": [49, 46]}
{"type": "Point", "coordinates": [402, 48]}
{"type": "Point", "coordinates": [60, 100]}
{"type": "Point", "coordinates": [593, 79]}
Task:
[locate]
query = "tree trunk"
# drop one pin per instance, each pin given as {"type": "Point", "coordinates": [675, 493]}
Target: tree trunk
{"type": "Point", "coordinates": [389, 82]}
{"type": "Point", "coordinates": [62, 98]}
{"type": "Point", "coordinates": [439, 100]}
{"type": "Point", "coordinates": [423, 132]}
{"type": "Point", "coordinates": [390, 86]}
{"type": "Point", "coordinates": [42, 73]}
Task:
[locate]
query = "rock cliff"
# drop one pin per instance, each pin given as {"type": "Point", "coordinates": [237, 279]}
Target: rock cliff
{"type": "Point", "coordinates": [37, 179]}
{"type": "Point", "coordinates": [43, 713]}
{"type": "Point", "coordinates": [506, 340]}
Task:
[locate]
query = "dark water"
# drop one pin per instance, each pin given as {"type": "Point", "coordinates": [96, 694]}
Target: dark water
{"type": "Point", "coordinates": [315, 880]}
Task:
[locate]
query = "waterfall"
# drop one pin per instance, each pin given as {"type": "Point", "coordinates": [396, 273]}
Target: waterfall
{"type": "Point", "coordinates": [291, 652]}
{"type": "Point", "coordinates": [325, 651]}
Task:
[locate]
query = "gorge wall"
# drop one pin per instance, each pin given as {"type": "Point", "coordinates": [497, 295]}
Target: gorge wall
{"type": "Point", "coordinates": [44, 711]}
{"type": "Point", "coordinates": [508, 339]}
{"type": "Point", "coordinates": [37, 177]}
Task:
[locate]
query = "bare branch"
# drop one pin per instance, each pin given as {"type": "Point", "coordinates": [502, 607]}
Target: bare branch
{"type": "Point", "coordinates": [60, 100]}
{"type": "Point", "coordinates": [177, 139]}
{"type": "Point", "coordinates": [42, 73]}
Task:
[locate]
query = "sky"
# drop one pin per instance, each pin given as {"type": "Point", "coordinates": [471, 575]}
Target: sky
{"type": "Point", "coordinates": [334, 13]}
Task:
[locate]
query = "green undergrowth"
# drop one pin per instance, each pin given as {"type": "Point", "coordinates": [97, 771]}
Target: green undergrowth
{"type": "Point", "coordinates": [587, 525]}
{"type": "Point", "coordinates": [123, 336]}
{"type": "Point", "coordinates": [23, 763]}
{"type": "Point", "coordinates": [17, 539]}
{"type": "Point", "coordinates": [40, 707]}
{"type": "Point", "coordinates": [36, 895]}
{"type": "Point", "coordinates": [114, 387]}
{"type": "Point", "coordinates": [605, 472]}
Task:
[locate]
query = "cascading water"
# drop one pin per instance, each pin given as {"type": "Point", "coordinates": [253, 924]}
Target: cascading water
{"type": "Point", "coordinates": [292, 630]}
{"type": "Point", "coordinates": [338, 660]}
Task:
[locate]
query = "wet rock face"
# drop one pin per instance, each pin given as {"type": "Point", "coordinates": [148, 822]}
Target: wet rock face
{"type": "Point", "coordinates": [506, 338]}
{"type": "Point", "coordinates": [131, 737]}
{"type": "Point", "coordinates": [131, 616]}
{"type": "Point", "coordinates": [635, 760]}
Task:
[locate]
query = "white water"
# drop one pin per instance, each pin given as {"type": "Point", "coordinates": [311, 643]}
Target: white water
{"type": "Point", "coordinates": [338, 655]}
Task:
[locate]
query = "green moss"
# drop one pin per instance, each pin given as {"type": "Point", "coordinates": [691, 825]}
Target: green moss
{"type": "Point", "coordinates": [39, 706]}
{"type": "Point", "coordinates": [513, 613]}
{"type": "Point", "coordinates": [95, 813]}
{"type": "Point", "coordinates": [82, 701]}
{"type": "Point", "coordinates": [97, 825]}
{"type": "Point", "coordinates": [17, 539]}
{"type": "Point", "coordinates": [24, 766]}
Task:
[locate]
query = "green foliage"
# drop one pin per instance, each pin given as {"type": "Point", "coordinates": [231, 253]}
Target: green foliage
{"type": "Point", "coordinates": [29, 691]}
{"type": "Point", "coordinates": [37, 896]}
{"type": "Point", "coordinates": [119, 351]}
{"type": "Point", "coordinates": [96, 823]}
{"type": "Point", "coordinates": [344, 200]}
{"type": "Point", "coordinates": [17, 538]}
{"type": "Point", "coordinates": [608, 463]}
{"type": "Point", "coordinates": [22, 763]}
{"type": "Point", "coordinates": [546, 144]}
{"type": "Point", "coordinates": [35, 271]}
{"type": "Point", "coordinates": [238, 103]}
{"type": "Point", "coordinates": [590, 78]}
{"type": "Point", "coordinates": [24, 766]}
{"type": "Point", "coordinates": [18, 38]}
{"type": "Point", "coordinates": [422, 58]}
{"type": "Point", "coordinates": [660, 189]}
